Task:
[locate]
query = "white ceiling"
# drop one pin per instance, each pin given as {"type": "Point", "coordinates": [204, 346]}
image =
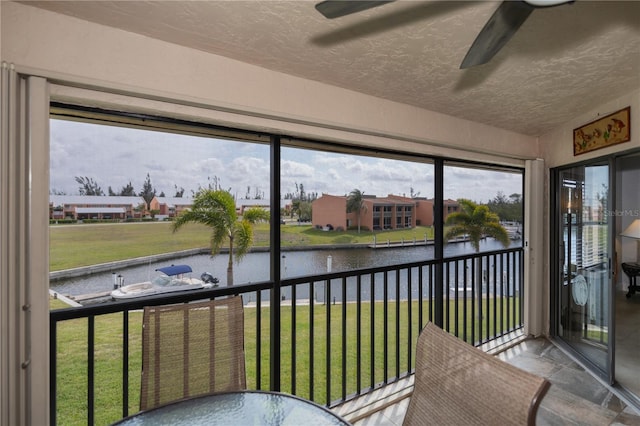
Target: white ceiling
{"type": "Point", "coordinates": [564, 61]}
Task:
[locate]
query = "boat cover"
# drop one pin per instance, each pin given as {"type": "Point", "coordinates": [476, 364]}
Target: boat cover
{"type": "Point", "coordinates": [175, 269]}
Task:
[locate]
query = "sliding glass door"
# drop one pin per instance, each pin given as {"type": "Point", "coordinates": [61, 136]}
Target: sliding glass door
{"type": "Point", "coordinates": [583, 290]}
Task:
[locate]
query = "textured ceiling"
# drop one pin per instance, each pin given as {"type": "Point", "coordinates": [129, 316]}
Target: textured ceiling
{"type": "Point", "coordinates": [562, 62]}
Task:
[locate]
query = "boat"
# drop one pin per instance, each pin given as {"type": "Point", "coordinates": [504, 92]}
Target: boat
{"type": "Point", "coordinates": [173, 279]}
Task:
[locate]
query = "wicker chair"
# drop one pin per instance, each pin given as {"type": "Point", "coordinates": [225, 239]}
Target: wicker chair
{"type": "Point", "coordinates": [457, 384]}
{"type": "Point", "coordinates": [192, 349]}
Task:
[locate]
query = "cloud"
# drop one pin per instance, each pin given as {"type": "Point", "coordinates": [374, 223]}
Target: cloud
{"type": "Point", "coordinates": [114, 156]}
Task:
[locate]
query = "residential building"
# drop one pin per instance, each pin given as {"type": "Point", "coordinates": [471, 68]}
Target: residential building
{"type": "Point", "coordinates": [80, 207]}
{"type": "Point", "coordinates": [378, 213]}
{"type": "Point", "coordinates": [170, 206]}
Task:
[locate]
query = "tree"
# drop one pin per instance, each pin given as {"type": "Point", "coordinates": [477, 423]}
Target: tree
{"type": "Point", "coordinates": [88, 186]}
{"type": "Point", "coordinates": [148, 192]}
{"type": "Point", "coordinates": [179, 192]}
{"type": "Point", "coordinates": [127, 190]}
{"type": "Point", "coordinates": [355, 203]}
{"type": "Point", "coordinates": [507, 208]}
{"type": "Point", "coordinates": [304, 211]}
{"type": "Point", "coordinates": [217, 210]}
{"type": "Point", "coordinates": [476, 221]}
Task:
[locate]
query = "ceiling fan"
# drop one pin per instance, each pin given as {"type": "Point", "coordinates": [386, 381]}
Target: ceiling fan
{"type": "Point", "coordinates": [502, 25]}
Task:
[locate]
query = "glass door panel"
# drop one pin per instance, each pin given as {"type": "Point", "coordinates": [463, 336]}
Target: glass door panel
{"type": "Point", "coordinates": [584, 256]}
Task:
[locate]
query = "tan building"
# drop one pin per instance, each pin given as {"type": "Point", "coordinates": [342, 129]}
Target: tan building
{"type": "Point", "coordinates": [80, 207]}
{"type": "Point", "coordinates": [170, 206]}
{"type": "Point", "coordinates": [390, 212]}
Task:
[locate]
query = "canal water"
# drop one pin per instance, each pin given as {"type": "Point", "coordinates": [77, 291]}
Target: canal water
{"type": "Point", "coordinates": [254, 267]}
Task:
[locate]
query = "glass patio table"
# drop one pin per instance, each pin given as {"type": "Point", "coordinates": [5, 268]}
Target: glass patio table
{"type": "Point", "coordinates": [244, 408]}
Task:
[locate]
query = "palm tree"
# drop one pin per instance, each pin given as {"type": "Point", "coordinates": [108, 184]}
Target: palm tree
{"type": "Point", "coordinates": [217, 210]}
{"type": "Point", "coordinates": [476, 221]}
{"type": "Point", "coordinates": [355, 203]}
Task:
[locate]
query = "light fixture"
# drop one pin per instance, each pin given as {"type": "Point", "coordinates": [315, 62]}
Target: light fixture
{"type": "Point", "coordinates": [633, 231]}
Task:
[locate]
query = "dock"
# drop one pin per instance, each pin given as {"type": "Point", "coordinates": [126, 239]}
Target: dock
{"type": "Point", "coordinates": [90, 296]}
{"type": "Point", "coordinates": [64, 298]}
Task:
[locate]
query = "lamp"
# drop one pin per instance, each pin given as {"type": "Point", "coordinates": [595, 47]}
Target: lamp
{"type": "Point", "coordinates": [633, 231]}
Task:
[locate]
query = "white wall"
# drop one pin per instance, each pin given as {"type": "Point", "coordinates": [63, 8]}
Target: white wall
{"type": "Point", "coordinates": [84, 52]}
{"type": "Point", "coordinates": [557, 145]}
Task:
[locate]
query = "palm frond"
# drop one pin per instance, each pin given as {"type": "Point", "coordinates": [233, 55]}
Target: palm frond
{"type": "Point", "coordinates": [243, 237]}
{"type": "Point", "coordinates": [256, 214]}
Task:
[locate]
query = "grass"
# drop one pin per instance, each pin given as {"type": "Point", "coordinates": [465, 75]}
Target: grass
{"type": "Point", "coordinates": [72, 354]}
{"type": "Point", "coordinates": [72, 246]}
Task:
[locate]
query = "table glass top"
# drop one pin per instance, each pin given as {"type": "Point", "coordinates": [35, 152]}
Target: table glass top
{"type": "Point", "coordinates": [238, 408]}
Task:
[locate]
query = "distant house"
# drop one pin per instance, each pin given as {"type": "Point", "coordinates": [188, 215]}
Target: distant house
{"type": "Point", "coordinates": [390, 212]}
{"type": "Point", "coordinates": [245, 203]}
{"type": "Point", "coordinates": [170, 206]}
{"type": "Point", "coordinates": [81, 207]}
{"type": "Point", "coordinates": [173, 206]}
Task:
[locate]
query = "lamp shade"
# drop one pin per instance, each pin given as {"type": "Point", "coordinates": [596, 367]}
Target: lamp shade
{"type": "Point", "coordinates": [633, 231]}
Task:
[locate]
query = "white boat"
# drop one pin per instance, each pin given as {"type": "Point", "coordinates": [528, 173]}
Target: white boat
{"type": "Point", "coordinates": [172, 280]}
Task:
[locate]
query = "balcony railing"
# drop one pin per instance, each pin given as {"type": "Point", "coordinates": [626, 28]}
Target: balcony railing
{"type": "Point", "coordinates": [340, 335]}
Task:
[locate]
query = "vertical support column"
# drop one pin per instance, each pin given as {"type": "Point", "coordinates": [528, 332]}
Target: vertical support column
{"type": "Point", "coordinates": [536, 306]}
{"type": "Point", "coordinates": [438, 236]}
{"type": "Point", "coordinates": [24, 259]}
{"type": "Point", "coordinates": [276, 273]}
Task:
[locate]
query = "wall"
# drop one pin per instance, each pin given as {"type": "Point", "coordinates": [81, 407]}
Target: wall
{"type": "Point", "coordinates": [557, 145]}
{"type": "Point", "coordinates": [424, 212]}
{"type": "Point", "coordinates": [329, 210]}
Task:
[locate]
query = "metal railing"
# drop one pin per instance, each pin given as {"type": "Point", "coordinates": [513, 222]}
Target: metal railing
{"type": "Point", "coordinates": [342, 334]}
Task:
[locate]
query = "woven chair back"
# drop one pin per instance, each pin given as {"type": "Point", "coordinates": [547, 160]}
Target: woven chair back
{"type": "Point", "coordinates": [458, 384]}
{"type": "Point", "coordinates": [192, 349]}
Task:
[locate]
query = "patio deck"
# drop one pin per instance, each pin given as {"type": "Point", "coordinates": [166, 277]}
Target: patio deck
{"type": "Point", "coordinates": [575, 396]}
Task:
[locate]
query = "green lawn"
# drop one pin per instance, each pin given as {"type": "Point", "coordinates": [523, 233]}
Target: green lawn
{"type": "Point", "coordinates": [72, 246]}
{"type": "Point", "coordinates": [72, 358]}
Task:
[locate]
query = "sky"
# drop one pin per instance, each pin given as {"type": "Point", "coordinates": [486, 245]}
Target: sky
{"type": "Point", "coordinates": [114, 156]}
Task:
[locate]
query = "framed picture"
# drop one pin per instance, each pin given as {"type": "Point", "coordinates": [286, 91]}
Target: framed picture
{"type": "Point", "coordinates": [606, 131]}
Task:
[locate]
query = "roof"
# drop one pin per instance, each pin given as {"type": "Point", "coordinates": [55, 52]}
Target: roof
{"type": "Point", "coordinates": [175, 269]}
{"type": "Point", "coordinates": [250, 202]}
{"type": "Point", "coordinates": [89, 210]}
{"type": "Point", "coordinates": [175, 201]}
{"type": "Point", "coordinates": [60, 200]}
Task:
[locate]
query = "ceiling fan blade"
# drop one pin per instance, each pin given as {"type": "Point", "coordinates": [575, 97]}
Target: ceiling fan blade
{"type": "Point", "coordinates": [337, 8]}
{"type": "Point", "coordinates": [502, 25]}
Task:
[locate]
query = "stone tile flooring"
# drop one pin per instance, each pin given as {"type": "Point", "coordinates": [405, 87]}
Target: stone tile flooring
{"type": "Point", "coordinates": [574, 398]}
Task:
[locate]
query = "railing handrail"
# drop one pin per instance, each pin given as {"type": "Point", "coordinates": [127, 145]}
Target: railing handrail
{"type": "Point", "coordinates": [388, 285]}
{"type": "Point", "coordinates": [161, 299]}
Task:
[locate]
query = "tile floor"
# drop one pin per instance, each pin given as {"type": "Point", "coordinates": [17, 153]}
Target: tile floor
{"type": "Point", "coordinates": [628, 341]}
{"type": "Point", "coordinates": [574, 398]}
